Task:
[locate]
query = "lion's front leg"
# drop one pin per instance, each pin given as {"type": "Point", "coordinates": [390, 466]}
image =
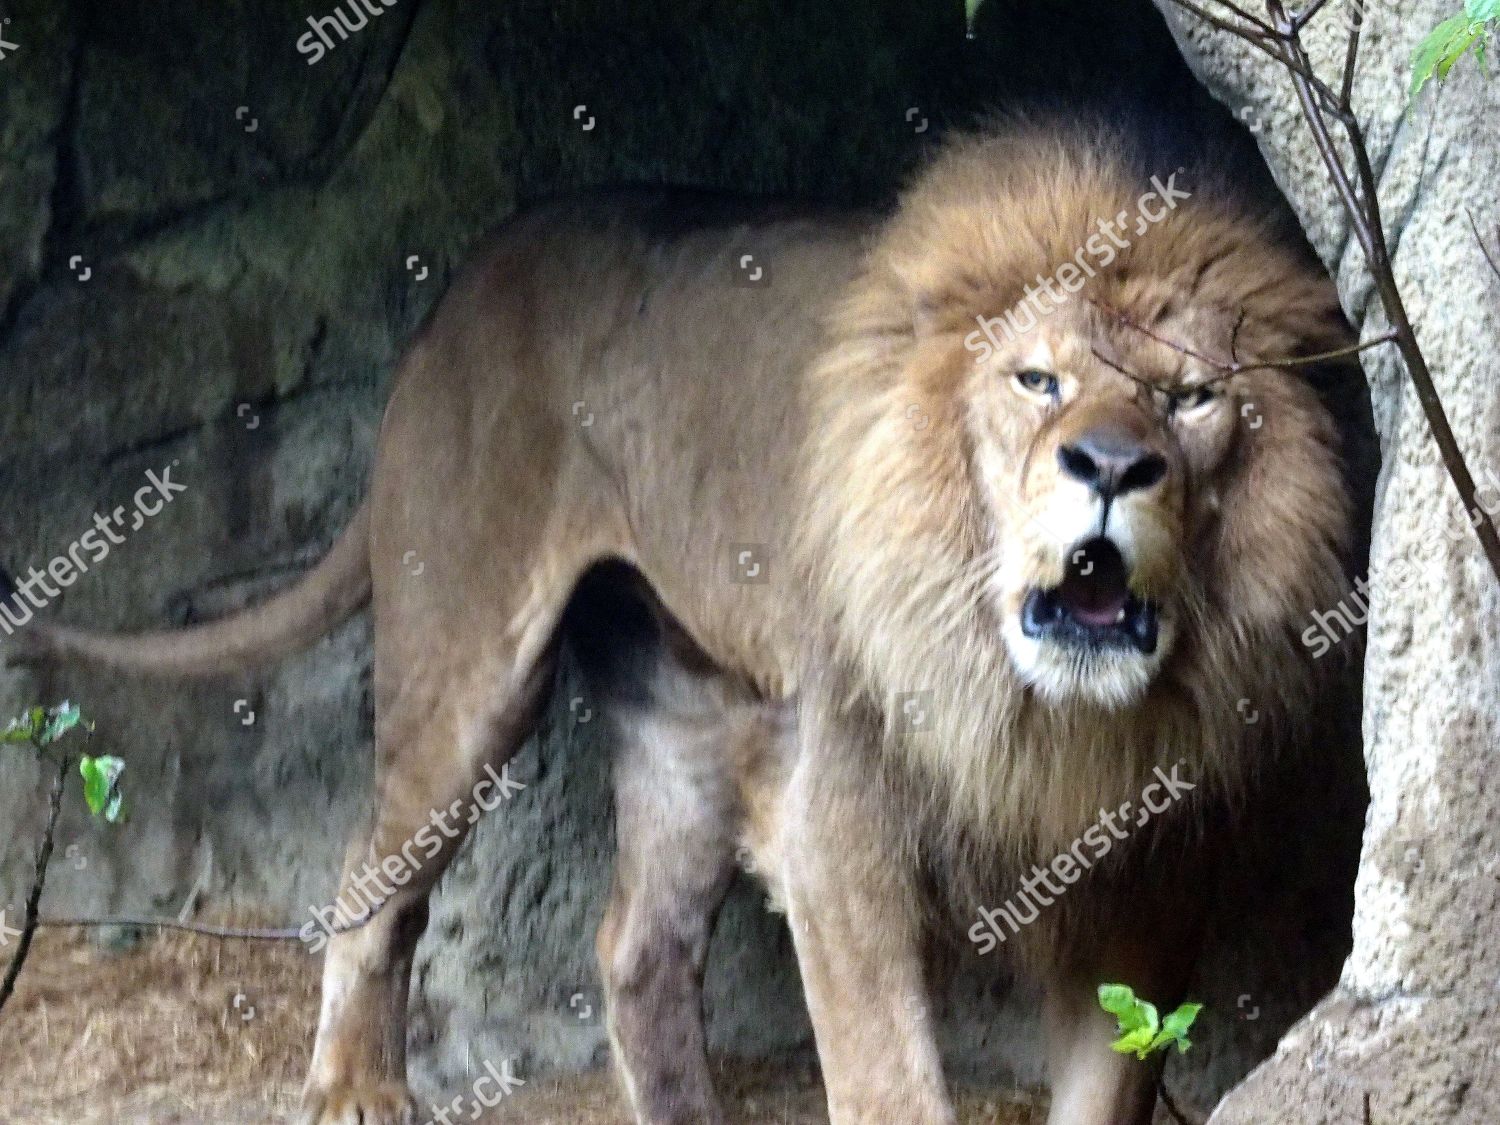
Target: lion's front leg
{"type": "Point", "coordinates": [854, 918]}
{"type": "Point", "coordinates": [1092, 1084]}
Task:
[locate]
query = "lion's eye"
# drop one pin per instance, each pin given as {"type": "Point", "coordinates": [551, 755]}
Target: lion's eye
{"type": "Point", "coordinates": [1191, 399]}
{"type": "Point", "coordinates": [1038, 382]}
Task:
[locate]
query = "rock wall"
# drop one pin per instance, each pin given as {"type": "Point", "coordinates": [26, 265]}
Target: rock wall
{"type": "Point", "coordinates": [210, 253]}
{"type": "Point", "coordinates": [1415, 1020]}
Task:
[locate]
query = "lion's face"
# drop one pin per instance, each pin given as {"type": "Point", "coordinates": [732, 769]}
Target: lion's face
{"type": "Point", "coordinates": [1086, 544]}
{"type": "Point", "coordinates": [1098, 459]}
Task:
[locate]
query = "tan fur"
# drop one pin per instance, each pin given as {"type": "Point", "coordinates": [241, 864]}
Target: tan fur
{"type": "Point", "coordinates": [1258, 550]}
{"type": "Point", "coordinates": [604, 384]}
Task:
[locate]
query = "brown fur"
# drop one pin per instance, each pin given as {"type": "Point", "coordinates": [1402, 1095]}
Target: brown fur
{"type": "Point", "coordinates": [603, 384]}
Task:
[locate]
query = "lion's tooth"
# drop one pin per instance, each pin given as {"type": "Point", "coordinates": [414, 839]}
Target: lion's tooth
{"type": "Point", "coordinates": [1120, 617]}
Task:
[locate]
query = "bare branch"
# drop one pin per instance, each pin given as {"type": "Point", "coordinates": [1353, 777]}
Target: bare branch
{"type": "Point", "coordinates": [1258, 24]}
{"type": "Point", "coordinates": [1234, 335]}
{"type": "Point", "coordinates": [38, 879]}
{"type": "Point", "coordinates": [1304, 17]}
{"type": "Point", "coordinates": [238, 933]}
{"type": "Point", "coordinates": [1369, 228]}
{"type": "Point", "coordinates": [1269, 42]}
{"type": "Point", "coordinates": [1252, 34]}
{"type": "Point", "coordinates": [1234, 366]}
{"type": "Point", "coordinates": [1351, 56]}
{"type": "Point", "coordinates": [1485, 250]}
{"type": "Point", "coordinates": [186, 927]}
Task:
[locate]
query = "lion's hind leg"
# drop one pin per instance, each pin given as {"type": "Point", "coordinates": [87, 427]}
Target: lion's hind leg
{"type": "Point", "coordinates": [676, 820]}
{"type": "Point", "coordinates": [459, 683]}
{"type": "Point", "coordinates": [441, 744]}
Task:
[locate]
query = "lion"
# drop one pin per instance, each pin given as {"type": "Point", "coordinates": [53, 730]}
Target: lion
{"type": "Point", "coordinates": [901, 583]}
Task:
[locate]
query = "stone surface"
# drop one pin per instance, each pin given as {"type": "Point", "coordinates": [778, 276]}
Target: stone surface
{"type": "Point", "coordinates": [249, 284]}
{"type": "Point", "coordinates": [1415, 1020]}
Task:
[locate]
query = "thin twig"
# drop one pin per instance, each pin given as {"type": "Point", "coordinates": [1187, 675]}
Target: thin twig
{"type": "Point", "coordinates": [1362, 204]}
{"type": "Point", "coordinates": [1485, 250]}
{"type": "Point", "coordinates": [161, 924]}
{"type": "Point", "coordinates": [1253, 34]}
{"type": "Point", "coordinates": [38, 879]}
{"type": "Point", "coordinates": [1304, 17]}
{"type": "Point", "coordinates": [208, 930]}
{"type": "Point", "coordinates": [1234, 335]}
{"type": "Point", "coordinates": [1267, 41]}
{"type": "Point", "coordinates": [1351, 57]}
{"type": "Point", "coordinates": [1234, 366]}
{"type": "Point", "coordinates": [1256, 22]}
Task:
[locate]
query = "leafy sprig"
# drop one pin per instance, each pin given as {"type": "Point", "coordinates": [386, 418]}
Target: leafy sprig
{"type": "Point", "coordinates": [41, 727]}
{"type": "Point", "coordinates": [1142, 1030]}
{"type": "Point", "coordinates": [1450, 40]}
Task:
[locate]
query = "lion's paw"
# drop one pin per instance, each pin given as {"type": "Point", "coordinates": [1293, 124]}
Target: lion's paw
{"type": "Point", "coordinates": [372, 1103]}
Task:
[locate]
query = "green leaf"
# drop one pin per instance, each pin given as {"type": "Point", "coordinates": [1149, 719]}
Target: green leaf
{"type": "Point", "coordinates": [1481, 10]}
{"type": "Point", "coordinates": [1146, 1013]}
{"type": "Point", "coordinates": [971, 9]}
{"type": "Point", "coordinates": [17, 730]}
{"type": "Point", "coordinates": [1116, 999]}
{"type": "Point", "coordinates": [1137, 1042]}
{"type": "Point", "coordinates": [1120, 1001]}
{"type": "Point", "coordinates": [24, 728]}
{"type": "Point", "coordinates": [1178, 1022]}
{"type": "Point", "coordinates": [60, 720]}
{"type": "Point", "coordinates": [1142, 1030]}
{"type": "Point", "coordinates": [101, 785]}
{"type": "Point", "coordinates": [44, 726]}
{"type": "Point", "coordinates": [1443, 47]}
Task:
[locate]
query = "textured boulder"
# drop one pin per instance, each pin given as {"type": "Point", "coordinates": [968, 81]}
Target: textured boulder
{"type": "Point", "coordinates": [1415, 1020]}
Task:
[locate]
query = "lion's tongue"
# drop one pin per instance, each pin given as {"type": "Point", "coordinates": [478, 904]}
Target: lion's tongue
{"type": "Point", "coordinates": [1095, 592]}
{"type": "Point", "coordinates": [1093, 606]}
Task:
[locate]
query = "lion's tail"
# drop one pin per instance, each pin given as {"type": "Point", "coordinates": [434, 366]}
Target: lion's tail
{"type": "Point", "coordinates": [329, 594]}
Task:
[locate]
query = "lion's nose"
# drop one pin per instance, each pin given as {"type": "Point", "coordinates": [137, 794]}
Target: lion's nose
{"type": "Point", "coordinates": [1112, 462]}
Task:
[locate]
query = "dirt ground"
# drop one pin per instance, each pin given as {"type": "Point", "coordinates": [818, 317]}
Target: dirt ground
{"type": "Point", "coordinates": [173, 1032]}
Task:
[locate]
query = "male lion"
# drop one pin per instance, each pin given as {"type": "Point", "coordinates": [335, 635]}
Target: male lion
{"type": "Point", "coordinates": [898, 590]}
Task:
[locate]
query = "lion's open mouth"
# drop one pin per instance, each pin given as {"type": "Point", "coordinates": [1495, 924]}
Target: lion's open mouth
{"type": "Point", "coordinates": [1093, 605]}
